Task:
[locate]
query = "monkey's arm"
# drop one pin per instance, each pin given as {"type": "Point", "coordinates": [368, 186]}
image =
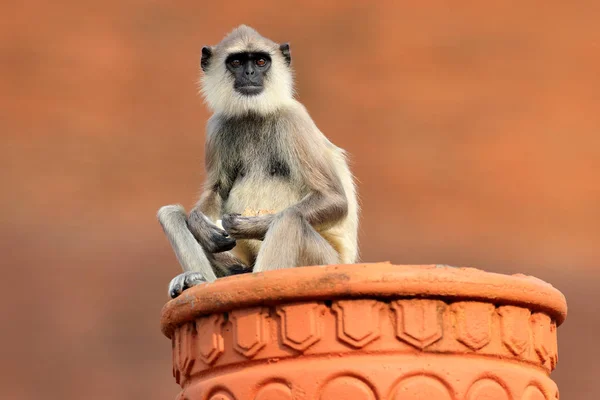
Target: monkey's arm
{"type": "Point", "coordinates": [326, 203]}
{"type": "Point", "coordinates": [207, 211]}
{"type": "Point", "coordinates": [210, 201]}
{"type": "Point", "coordinates": [201, 222]}
{"type": "Point", "coordinates": [322, 209]}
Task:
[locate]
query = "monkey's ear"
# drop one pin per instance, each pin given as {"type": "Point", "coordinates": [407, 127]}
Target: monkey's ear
{"type": "Point", "coordinates": [205, 58]}
{"type": "Point", "coordinates": [285, 50]}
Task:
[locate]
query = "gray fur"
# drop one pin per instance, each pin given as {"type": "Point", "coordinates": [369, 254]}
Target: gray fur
{"type": "Point", "coordinates": [212, 239]}
{"type": "Point", "coordinates": [249, 147]}
{"type": "Point", "coordinates": [199, 265]}
{"type": "Point", "coordinates": [292, 241]}
{"type": "Point", "coordinates": [188, 251]}
{"type": "Point", "coordinates": [283, 191]}
{"type": "Point", "coordinates": [184, 281]}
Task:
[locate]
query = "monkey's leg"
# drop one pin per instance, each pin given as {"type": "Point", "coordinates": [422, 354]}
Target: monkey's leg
{"type": "Point", "coordinates": [185, 233]}
{"type": "Point", "coordinates": [190, 254]}
{"type": "Point", "coordinates": [225, 262]}
{"type": "Point", "coordinates": [292, 242]}
{"type": "Point", "coordinates": [198, 265]}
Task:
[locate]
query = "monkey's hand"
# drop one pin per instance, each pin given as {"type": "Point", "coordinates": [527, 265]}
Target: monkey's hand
{"type": "Point", "coordinates": [240, 227]}
{"type": "Point", "coordinates": [212, 238]}
{"type": "Point", "coordinates": [184, 281]}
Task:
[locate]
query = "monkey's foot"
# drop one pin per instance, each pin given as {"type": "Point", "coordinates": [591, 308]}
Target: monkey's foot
{"type": "Point", "coordinates": [184, 281]}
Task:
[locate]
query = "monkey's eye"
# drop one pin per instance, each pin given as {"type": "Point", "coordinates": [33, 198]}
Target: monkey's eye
{"type": "Point", "coordinates": [235, 63]}
{"type": "Point", "coordinates": [261, 62]}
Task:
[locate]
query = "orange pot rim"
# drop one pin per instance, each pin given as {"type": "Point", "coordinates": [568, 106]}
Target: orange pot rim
{"type": "Point", "coordinates": [368, 280]}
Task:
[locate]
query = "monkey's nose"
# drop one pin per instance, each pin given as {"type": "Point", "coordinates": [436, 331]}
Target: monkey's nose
{"type": "Point", "coordinates": [249, 70]}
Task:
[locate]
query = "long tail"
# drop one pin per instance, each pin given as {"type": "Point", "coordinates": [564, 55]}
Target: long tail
{"type": "Point", "coordinates": [190, 254]}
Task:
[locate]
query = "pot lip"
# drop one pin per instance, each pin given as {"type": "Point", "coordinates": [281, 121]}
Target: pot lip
{"type": "Point", "coordinates": [366, 280]}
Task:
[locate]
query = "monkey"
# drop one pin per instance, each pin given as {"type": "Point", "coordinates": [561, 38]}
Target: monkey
{"type": "Point", "coordinates": [277, 192]}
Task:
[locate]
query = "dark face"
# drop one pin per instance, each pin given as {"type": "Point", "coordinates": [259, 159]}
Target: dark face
{"type": "Point", "coordinates": [248, 70]}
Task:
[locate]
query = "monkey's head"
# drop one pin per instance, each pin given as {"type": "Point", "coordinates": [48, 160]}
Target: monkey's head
{"type": "Point", "coordinates": [246, 73]}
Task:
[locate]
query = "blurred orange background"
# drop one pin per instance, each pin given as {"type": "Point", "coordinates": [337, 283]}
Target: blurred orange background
{"type": "Point", "coordinates": [474, 132]}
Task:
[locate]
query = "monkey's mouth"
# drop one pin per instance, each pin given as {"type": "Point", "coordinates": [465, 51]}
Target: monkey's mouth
{"type": "Point", "coordinates": [249, 90]}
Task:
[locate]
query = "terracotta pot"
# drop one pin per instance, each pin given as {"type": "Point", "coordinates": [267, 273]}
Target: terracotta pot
{"type": "Point", "coordinates": [366, 332]}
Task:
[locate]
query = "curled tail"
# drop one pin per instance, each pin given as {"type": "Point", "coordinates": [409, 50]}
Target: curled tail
{"type": "Point", "coordinates": [188, 251]}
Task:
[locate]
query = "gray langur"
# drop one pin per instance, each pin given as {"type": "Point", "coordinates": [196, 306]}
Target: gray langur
{"type": "Point", "coordinates": [282, 191]}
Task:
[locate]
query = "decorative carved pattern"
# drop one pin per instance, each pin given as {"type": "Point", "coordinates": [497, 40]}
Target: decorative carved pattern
{"type": "Point", "coordinates": [184, 346]}
{"type": "Point", "coordinates": [485, 389]}
{"type": "Point", "coordinates": [513, 322]}
{"type": "Point", "coordinates": [358, 321]}
{"type": "Point", "coordinates": [211, 345]}
{"type": "Point", "coordinates": [275, 391]}
{"type": "Point", "coordinates": [249, 330]}
{"type": "Point", "coordinates": [533, 393]}
{"type": "Point", "coordinates": [389, 377]}
{"type": "Point", "coordinates": [419, 387]}
{"type": "Point", "coordinates": [346, 387]}
{"type": "Point", "coordinates": [221, 395]}
{"type": "Point", "coordinates": [419, 322]}
{"type": "Point", "coordinates": [301, 325]}
{"type": "Point", "coordinates": [407, 334]}
{"type": "Point", "coordinates": [473, 323]}
{"type": "Point", "coordinates": [553, 345]}
{"type": "Point", "coordinates": [175, 355]}
{"type": "Point", "coordinates": [544, 341]}
{"type": "Point", "coordinates": [354, 332]}
{"type": "Point", "coordinates": [400, 326]}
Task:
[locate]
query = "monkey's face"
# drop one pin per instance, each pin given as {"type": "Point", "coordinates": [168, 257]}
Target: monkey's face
{"type": "Point", "coordinates": [249, 71]}
{"type": "Point", "coordinates": [246, 73]}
